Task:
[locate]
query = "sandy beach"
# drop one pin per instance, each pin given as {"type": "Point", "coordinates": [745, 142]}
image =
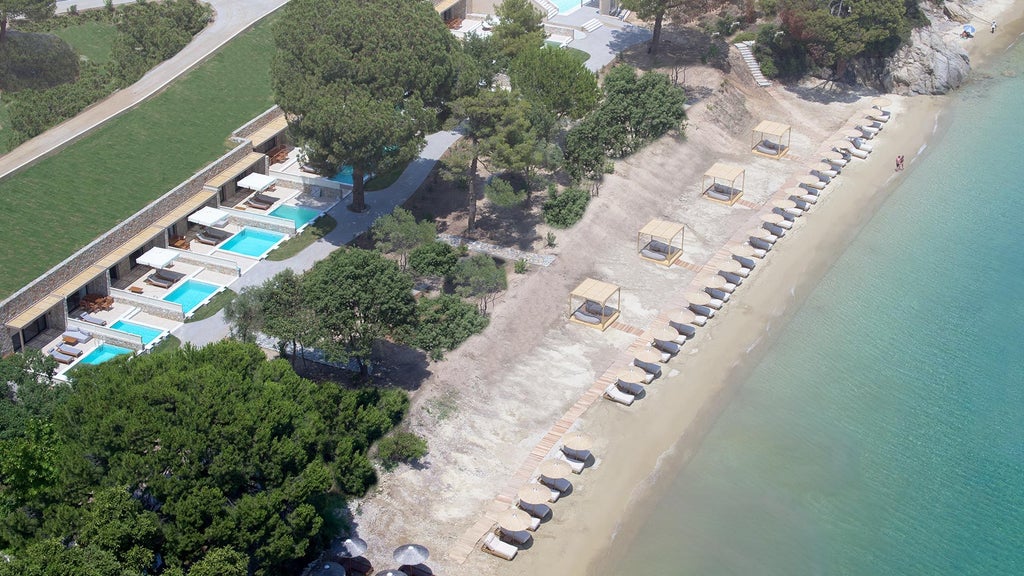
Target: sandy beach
{"type": "Point", "coordinates": [487, 409]}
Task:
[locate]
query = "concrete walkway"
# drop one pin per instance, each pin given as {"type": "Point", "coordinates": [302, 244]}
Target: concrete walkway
{"type": "Point", "coordinates": [349, 226]}
{"type": "Point", "coordinates": [232, 18]}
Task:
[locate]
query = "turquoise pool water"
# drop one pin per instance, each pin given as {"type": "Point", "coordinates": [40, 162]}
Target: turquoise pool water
{"type": "Point", "coordinates": [148, 334]}
{"type": "Point", "coordinates": [191, 294]}
{"type": "Point", "coordinates": [344, 176]}
{"type": "Point", "coordinates": [252, 242]}
{"type": "Point", "coordinates": [103, 353]}
{"type": "Point", "coordinates": [301, 215]}
{"type": "Point", "coordinates": [566, 5]}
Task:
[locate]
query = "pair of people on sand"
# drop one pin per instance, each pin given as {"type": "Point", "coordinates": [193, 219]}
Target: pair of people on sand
{"type": "Point", "coordinates": [899, 162]}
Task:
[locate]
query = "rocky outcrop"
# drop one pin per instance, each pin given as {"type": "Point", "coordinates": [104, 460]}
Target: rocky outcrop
{"type": "Point", "coordinates": [931, 63]}
{"type": "Point", "coordinates": [956, 12]}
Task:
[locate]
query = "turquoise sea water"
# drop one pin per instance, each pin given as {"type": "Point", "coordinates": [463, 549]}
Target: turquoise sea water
{"type": "Point", "coordinates": [884, 431]}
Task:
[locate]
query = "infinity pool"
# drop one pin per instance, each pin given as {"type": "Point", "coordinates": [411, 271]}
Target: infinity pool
{"type": "Point", "coordinates": [103, 353]}
{"type": "Point", "coordinates": [145, 332]}
{"type": "Point", "coordinates": [301, 215]}
{"type": "Point", "coordinates": [191, 294]}
{"type": "Point", "coordinates": [252, 242]}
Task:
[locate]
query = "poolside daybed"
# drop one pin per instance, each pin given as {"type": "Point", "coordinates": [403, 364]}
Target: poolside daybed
{"type": "Point", "coordinates": [155, 280]}
{"type": "Point", "coordinates": [768, 139]}
{"type": "Point", "coordinates": [68, 349]}
{"type": "Point", "coordinates": [656, 242]}
{"type": "Point", "coordinates": [594, 310]}
{"type": "Point", "coordinates": [61, 357]}
{"type": "Point", "coordinates": [86, 317]}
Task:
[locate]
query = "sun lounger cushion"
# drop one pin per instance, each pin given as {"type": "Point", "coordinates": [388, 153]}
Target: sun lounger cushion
{"type": "Point", "coordinates": [218, 234]}
{"type": "Point", "coordinates": [715, 194]}
{"type": "Point", "coordinates": [256, 204]}
{"type": "Point", "coordinates": [538, 511]}
{"type": "Point", "coordinates": [80, 335]}
{"type": "Point", "coordinates": [69, 350]}
{"type": "Point", "coordinates": [594, 308]}
{"type": "Point", "coordinates": [685, 330]}
{"type": "Point", "coordinates": [86, 317]}
{"type": "Point", "coordinates": [500, 549]}
{"type": "Point", "coordinates": [61, 357]}
{"type": "Point", "coordinates": [560, 484]}
{"type": "Point", "coordinates": [169, 275]}
{"type": "Point", "coordinates": [653, 255]}
{"type": "Point", "coordinates": [204, 239]}
{"type": "Point", "coordinates": [584, 317]}
{"type": "Point", "coordinates": [158, 281]}
{"type": "Point", "coordinates": [516, 536]}
{"type": "Point", "coordinates": [668, 347]}
{"type": "Point", "coordinates": [577, 466]}
{"type": "Point", "coordinates": [630, 387]}
{"type": "Point", "coordinates": [613, 393]}
{"type": "Point", "coordinates": [263, 198]}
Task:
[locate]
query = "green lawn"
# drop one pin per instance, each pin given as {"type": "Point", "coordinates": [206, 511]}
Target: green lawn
{"type": "Point", "coordinates": [215, 305]}
{"type": "Point", "coordinates": [66, 201]}
{"type": "Point", "coordinates": [382, 181]}
{"type": "Point", "coordinates": [90, 39]}
{"type": "Point", "coordinates": [315, 231]}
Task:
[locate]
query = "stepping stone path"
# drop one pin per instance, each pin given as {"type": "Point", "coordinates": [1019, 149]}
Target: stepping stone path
{"type": "Point", "coordinates": [508, 254]}
{"type": "Point", "coordinates": [751, 62]}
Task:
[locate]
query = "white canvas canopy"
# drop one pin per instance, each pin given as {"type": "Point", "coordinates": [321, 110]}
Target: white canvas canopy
{"type": "Point", "coordinates": [256, 181]}
{"type": "Point", "coordinates": [157, 257]}
{"type": "Point", "coordinates": [209, 216]}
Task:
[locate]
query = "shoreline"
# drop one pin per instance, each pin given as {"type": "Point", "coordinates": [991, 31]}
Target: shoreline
{"type": "Point", "coordinates": [661, 437]}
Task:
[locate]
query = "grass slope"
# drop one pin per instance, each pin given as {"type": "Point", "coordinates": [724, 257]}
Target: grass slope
{"type": "Point", "coordinates": [90, 39]}
{"type": "Point", "coordinates": [66, 201]}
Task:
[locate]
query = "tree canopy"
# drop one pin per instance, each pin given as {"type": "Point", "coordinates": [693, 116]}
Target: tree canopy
{"type": "Point", "coordinates": [479, 277]}
{"type": "Point", "coordinates": [31, 9]}
{"type": "Point", "coordinates": [555, 79]}
{"type": "Point", "coordinates": [400, 232]}
{"type": "Point", "coordinates": [361, 81]}
{"type": "Point", "coordinates": [216, 459]}
{"type": "Point", "coordinates": [520, 27]}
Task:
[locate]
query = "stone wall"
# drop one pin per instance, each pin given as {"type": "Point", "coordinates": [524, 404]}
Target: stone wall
{"type": "Point", "coordinates": [154, 306]}
{"type": "Point", "coordinates": [258, 122]}
{"type": "Point", "coordinates": [212, 263]}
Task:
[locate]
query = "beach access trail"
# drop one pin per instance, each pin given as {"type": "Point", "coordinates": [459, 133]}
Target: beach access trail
{"type": "Point", "coordinates": [231, 18]}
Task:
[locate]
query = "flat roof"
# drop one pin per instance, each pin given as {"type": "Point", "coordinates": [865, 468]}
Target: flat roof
{"type": "Point", "coordinates": [662, 229]}
{"type": "Point", "coordinates": [38, 309]}
{"type": "Point", "coordinates": [269, 130]}
{"type": "Point", "coordinates": [595, 290]}
{"type": "Point", "coordinates": [772, 128]}
{"type": "Point", "coordinates": [443, 5]}
{"type": "Point", "coordinates": [235, 169]}
{"type": "Point", "coordinates": [724, 171]}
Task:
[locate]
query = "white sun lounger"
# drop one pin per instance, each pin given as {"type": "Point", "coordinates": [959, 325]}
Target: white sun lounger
{"type": "Point", "coordinates": [613, 393]}
{"type": "Point", "coordinates": [576, 465]}
{"type": "Point", "coordinates": [492, 545]}
{"type": "Point", "coordinates": [702, 311]}
{"type": "Point", "coordinates": [537, 511]}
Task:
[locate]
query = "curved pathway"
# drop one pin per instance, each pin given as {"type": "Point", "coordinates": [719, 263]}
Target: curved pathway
{"type": "Point", "coordinates": [232, 18]}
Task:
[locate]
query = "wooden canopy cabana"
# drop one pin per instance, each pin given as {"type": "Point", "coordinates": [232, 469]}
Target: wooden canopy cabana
{"type": "Point", "coordinates": [656, 242]}
{"type": "Point", "coordinates": [719, 183]}
{"type": "Point", "coordinates": [588, 304]}
{"type": "Point", "coordinates": [768, 139]}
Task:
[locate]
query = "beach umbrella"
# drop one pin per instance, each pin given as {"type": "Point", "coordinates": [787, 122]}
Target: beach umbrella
{"type": "Point", "coordinates": [809, 196]}
{"type": "Point", "coordinates": [582, 442]}
{"type": "Point", "coordinates": [554, 468]}
{"type": "Point", "coordinates": [852, 133]}
{"type": "Point", "coordinates": [514, 520]}
{"type": "Point", "coordinates": [771, 218]}
{"type": "Point", "coordinates": [967, 28]}
{"type": "Point", "coordinates": [698, 297]}
{"type": "Point", "coordinates": [533, 494]}
{"type": "Point", "coordinates": [411, 554]}
{"type": "Point", "coordinates": [668, 333]}
{"type": "Point", "coordinates": [881, 102]}
{"type": "Point", "coordinates": [746, 253]}
{"type": "Point", "coordinates": [647, 356]}
{"type": "Point", "coordinates": [631, 374]}
{"type": "Point", "coordinates": [812, 181]}
{"type": "Point", "coordinates": [788, 206]}
{"type": "Point", "coordinates": [717, 282]}
{"type": "Point", "coordinates": [733, 266]}
{"type": "Point", "coordinates": [352, 547]}
{"type": "Point", "coordinates": [390, 573]}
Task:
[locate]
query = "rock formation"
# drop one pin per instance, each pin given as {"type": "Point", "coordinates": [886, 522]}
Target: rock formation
{"type": "Point", "coordinates": [930, 63]}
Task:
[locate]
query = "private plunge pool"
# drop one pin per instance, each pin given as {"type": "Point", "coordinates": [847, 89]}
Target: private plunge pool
{"type": "Point", "coordinates": [103, 353]}
{"type": "Point", "coordinates": [301, 215]}
{"type": "Point", "coordinates": [191, 295]}
{"type": "Point", "coordinates": [344, 176]}
{"type": "Point", "coordinates": [147, 333]}
{"type": "Point", "coordinates": [253, 242]}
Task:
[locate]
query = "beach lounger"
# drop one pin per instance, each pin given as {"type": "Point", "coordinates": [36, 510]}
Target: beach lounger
{"type": "Point", "coordinates": [169, 275]}
{"type": "Point", "coordinates": [613, 393]}
{"type": "Point", "coordinates": [633, 388]}
{"type": "Point", "coordinates": [702, 311]}
{"type": "Point", "coordinates": [77, 335]}
{"type": "Point", "coordinates": [218, 234]}
{"type": "Point", "coordinates": [861, 145]}
{"type": "Point", "coordinates": [667, 346]}
{"type": "Point", "coordinates": [734, 278]}
{"type": "Point", "coordinates": [717, 294]}
{"type": "Point", "coordinates": [560, 484]}
{"type": "Point", "coordinates": [263, 198]}
{"type": "Point", "coordinates": [576, 465]}
{"type": "Point", "coordinates": [86, 317]}
{"type": "Point", "coordinates": [538, 511]}
{"type": "Point", "coordinates": [685, 331]}
{"type": "Point", "coordinates": [492, 545]}
{"type": "Point", "coordinates": [774, 229]}
{"type": "Point", "coordinates": [69, 350]}
{"type": "Point", "coordinates": [257, 204]}
{"type": "Point", "coordinates": [517, 537]}
{"type": "Point", "coordinates": [204, 239]}
{"type": "Point", "coordinates": [157, 281]}
{"type": "Point", "coordinates": [61, 357]}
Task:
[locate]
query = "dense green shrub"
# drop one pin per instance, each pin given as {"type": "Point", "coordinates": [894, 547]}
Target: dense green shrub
{"type": "Point", "coordinates": [479, 277]}
{"type": "Point", "coordinates": [32, 112]}
{"type": "Point", "coordinates": [565, 209]}
{"type": "Point", "coordinates": [400, 447]}
{"type": "Point", "coordinates": [501, 193]}
{"type": "Point", "coordinates": [35, 62]}
{"type": "Point", "coordinates": [433, 259]}
{"type": "Point", "coordinates": [149, 33]}
{"type": "Point", "coordinates": [445, 322]}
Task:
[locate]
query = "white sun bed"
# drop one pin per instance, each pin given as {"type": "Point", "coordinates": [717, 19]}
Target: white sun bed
{"type": "Point", "coordinates": [613, 393]}
{"type": "Point", "coordinates": [492, 545]}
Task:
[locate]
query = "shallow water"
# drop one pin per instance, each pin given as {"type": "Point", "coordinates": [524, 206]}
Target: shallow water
{"type": "Point", "coordinates": [884, 431]}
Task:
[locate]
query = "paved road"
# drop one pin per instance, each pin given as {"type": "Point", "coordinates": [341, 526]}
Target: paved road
{"type": "Point", "coordinates": [349, 226]}
{"type": "Point", "coordinates": [233, 17]}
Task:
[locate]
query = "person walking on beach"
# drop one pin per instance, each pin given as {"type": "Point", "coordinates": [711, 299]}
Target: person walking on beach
{"type": "Point", "coordinates": [993, 26]}
{"type": "Point", "coordinates": [899, 162]}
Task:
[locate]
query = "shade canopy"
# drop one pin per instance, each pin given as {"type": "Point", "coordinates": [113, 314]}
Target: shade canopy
{"type": "Point", "coordinates": [724, 171]}
{"type": "Point", "coordinates": [714, 281]}
{"type": "Point", "coordinates": [256, 181]}
{"type": "Point", "coordinates": [595, 290]}
{"type": "Point", "coordinates": [684, 316]}
{"type": "Point", "coordinates": [157, 257]}
{"type": "Point", "coordinates": [514, 520]}
{"type": "Point", "coordinates": [554, 468]}
{"type": "Point", "coordinates": [578, 440]}
{"type": "Point", "coordinates": [353, 547]}
{"type": "Point", "coordinates": [632, 374]}
{"type": "Point", "coordinates": [209, 216]}
{"type": "Point", "coordinates": [719, 183]}
{"type": "Point", "coordinates": [668, 333]}
{"type": "Point", "coordinates": [665, 232]}
{"type": "Point", "coordinates": [767, 139]}
{"type": "Point", "coordinates": [411, 554]}
{"type": "Point", "coordinates": [769, 128]}
{"type": "Point", "coordinates": [647, 356]}
{"type": "Point", "coordinates": [534, 494]}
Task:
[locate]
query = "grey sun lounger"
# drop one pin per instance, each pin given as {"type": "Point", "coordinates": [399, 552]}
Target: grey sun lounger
{"type": "Point", "coordinates": [218, 234]}
{"type": "Point", "coordinates": [77, 334]}
{"type": "Point", "coordinates": [69, 350]}
{"type": "Point", "coordinates": [158, 281]}
{"type": "Point", "coordinates": [257, 204]}
{"type": "Point", "coordinates": [203, 238]}
{"type": "Point", "coordinates": [169, 275]}
{"type": "Point", "coordinates": [594, 308]}
{"type": "Point", "coordinates": [263, 198]}
{"type": "Point", "coordinates": [61, 357]}
{"type": "Point", "coordinates": [86, 317]}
